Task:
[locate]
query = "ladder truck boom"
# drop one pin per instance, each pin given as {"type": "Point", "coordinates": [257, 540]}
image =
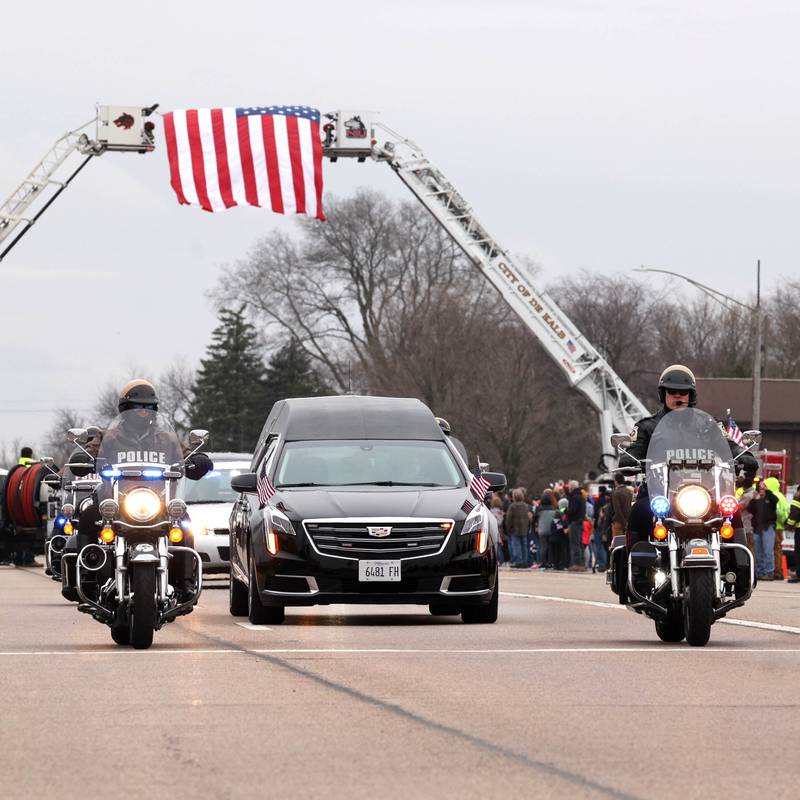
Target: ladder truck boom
{"type": "Point", "coordinates": [351, 134]}
{"type": "Point", "coordinates": [119, 128]}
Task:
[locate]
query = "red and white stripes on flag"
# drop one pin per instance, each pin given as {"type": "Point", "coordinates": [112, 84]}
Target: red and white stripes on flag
{"type": "Point", "coordinates": [267, 156]}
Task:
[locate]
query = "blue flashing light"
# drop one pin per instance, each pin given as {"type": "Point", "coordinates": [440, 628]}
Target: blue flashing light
{"type": "Point", "coordinates": [111, 472]}
{"type": "Point", "coordinates": [152, 473]}
{"type": "Point", "coordinates": [660, 505]}
{"type": "Point", "coordinates": [215, 473]}
{"type": "Point", "coordinates": [60, 521]}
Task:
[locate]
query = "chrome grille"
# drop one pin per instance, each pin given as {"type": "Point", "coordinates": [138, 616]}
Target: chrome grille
{"type": "Point", "coordinates": [351, 538]}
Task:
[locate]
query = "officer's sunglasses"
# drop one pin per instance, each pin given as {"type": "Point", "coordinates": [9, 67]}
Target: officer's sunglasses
{"type": "Point", "coordinates": [678, 391]}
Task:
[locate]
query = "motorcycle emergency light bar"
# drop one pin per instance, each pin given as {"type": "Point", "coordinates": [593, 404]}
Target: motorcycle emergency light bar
{"type": "Point", "coordinates": [111, 472]}
{"type": "Point", "coordinates": [152, 473]}
{"type": "Point", "coordinates": [659, 505]}
{"type": "Point", "coordinates": [728, 505]}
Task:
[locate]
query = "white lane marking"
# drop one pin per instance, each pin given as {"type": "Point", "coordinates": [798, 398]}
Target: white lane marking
{"type": "Point", "coordinates": [250, 627]}
{"type": "Point", "coordinates": [747, 623]}
{"type": "Point", "coordinates": [573, 600]}
{"type": "Point", "coordinates": [766, 626]}
{"type": "Point", "coordinates": [656, 648]}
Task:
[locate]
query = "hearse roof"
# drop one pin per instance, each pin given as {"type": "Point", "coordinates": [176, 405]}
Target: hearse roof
{"type": "Point", "coordinates": [353, 417]}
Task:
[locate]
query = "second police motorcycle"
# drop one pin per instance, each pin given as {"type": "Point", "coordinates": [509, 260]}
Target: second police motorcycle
{"type": "Point", "coordinates": [690, 572]}
{"type": "Point", "coordinates": [122, 573]}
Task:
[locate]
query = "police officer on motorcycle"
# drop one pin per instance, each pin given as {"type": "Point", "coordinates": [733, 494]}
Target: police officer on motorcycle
{"type": "Point", "coordinates": [139, 395]}
{"type": "Point", "coordinates": [677, 389]}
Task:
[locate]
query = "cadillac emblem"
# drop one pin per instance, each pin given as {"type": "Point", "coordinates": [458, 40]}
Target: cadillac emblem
{"type": "Point", "coordinates": [379, 533]}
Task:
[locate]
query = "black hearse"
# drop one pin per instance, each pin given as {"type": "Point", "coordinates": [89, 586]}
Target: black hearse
{"type": "Point", "coordinates": [369, 502]}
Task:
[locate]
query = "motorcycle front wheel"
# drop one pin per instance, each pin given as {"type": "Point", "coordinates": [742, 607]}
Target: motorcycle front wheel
{"type": "Point", "coordinates": [143, 613]}
{"type": "Point", "coordinates": [699, 607]}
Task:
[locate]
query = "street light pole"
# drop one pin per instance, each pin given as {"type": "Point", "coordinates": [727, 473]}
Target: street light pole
{"type": "Point", "coordinates": [759, 346]}
{"type": "Point", "coordinates": [758, 323]}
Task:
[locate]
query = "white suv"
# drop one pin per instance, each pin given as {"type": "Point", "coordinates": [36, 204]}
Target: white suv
{"type": "Point", "coordinates": [209, 502]}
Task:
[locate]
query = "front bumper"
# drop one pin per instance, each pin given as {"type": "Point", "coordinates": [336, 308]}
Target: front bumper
{"type": "Point", "coordinates": [214, 550]}
{"type": "Point", "coordinates": [299, 575]}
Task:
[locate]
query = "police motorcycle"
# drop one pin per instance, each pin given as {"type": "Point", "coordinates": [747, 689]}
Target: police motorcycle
{"type": "Point", "coordinates": [122, 579]}
{"type": "Point", "coordinates": [685, 576]}
{"type": "Point", "coordinates": [71, 494]}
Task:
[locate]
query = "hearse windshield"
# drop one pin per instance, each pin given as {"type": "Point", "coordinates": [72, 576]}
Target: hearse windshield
{"type": "Point", "coordinates": [367, 463]}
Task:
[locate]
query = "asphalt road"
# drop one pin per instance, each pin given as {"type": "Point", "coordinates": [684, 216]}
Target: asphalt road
{"type": "Point", "coordinates": [566, 696]}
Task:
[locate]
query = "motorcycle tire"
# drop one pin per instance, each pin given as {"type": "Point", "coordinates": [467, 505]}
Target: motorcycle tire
{"type": "Point", "coordinates": [143, 613]}
{"type": "Point", "coordinates": [699, 607]}
{"type": "Point", "coordinates": [483, 615]}
{"type": "Point", "coordinates": [257, 612]}
{"type": "Point", "coordinates": [121, 634]}
{"type": "Point", "coordinates": [237, 597]}
{"type": "Point", "coordinates": [671, 629]}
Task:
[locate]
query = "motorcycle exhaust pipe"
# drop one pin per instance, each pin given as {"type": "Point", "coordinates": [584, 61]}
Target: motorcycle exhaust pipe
{"type": "Point", "coordinates": [93, 557]}
{"type": "Point", "coordinates": [58, 543]}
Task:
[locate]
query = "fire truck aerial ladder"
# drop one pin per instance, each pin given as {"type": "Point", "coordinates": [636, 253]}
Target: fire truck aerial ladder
{"type": "Point", "coordinates": [119, 128]}
{"type": "Point", "coordinates": [350, 134]}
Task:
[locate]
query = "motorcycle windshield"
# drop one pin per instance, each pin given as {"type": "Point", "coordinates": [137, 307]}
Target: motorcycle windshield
{"type": "Point", "coordinates": [688, 446]}
{"type": "Point", "coordinates": [139, 438]}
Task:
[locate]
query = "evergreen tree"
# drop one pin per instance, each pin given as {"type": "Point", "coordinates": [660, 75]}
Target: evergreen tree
{"type": "Point", "coordinates": [230, 392]}
{"type": "Point", "coordinates": [290, 374]}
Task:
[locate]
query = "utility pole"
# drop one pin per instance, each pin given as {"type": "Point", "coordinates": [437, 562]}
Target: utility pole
{"type": "Point", "coordinates": [759, 347]}
{"type": "Point", "coordinates": [758, 324]}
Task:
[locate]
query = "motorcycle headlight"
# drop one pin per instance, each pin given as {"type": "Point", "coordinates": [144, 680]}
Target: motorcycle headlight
{"type": "Point", "coordinates": [142, 505]}
{"type": "Point", "coordinates": [693, 501]}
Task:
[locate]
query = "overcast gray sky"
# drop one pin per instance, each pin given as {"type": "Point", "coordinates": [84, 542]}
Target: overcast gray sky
{"type": "Point", "coordinates": [587, 134]}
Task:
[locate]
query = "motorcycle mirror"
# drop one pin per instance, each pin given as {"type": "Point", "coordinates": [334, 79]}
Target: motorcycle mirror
{"type": "Point", "coordinates": [198, 437]}
{"type": "Point", "coordinates": [53, 481]}
{"type": "Point", "coordinates": [93, 431]}
{"type": "Point", "coordinates": [752, 437]}
{"type": "Point", "coordinates": [78, 435]}
{"type": "Point", "coordinates": [620, 440]}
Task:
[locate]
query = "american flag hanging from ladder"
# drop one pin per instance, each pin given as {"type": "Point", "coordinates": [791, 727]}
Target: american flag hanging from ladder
{"type": "Point", "coordinates": [479, 485]}
{"type": "Point", "coordinates": [264, 486]}
{"type": "Point", "coordinates": [732, 429]}
{"type": "Point", "coordinates": [267, 156]}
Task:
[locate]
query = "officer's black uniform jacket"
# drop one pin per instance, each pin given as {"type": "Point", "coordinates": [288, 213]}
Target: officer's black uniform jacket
{"type": "Point", "coordinates": [643, 431]}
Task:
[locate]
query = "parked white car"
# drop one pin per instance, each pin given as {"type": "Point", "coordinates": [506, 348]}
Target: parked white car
{"type": "Point", "coordinates": [209, 502]}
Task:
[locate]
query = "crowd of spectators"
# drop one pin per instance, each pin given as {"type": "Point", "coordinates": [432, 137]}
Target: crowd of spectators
{"type": "Point", "coordinates": [568, 527]}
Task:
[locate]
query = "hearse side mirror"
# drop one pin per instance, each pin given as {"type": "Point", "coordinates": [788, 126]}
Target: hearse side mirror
{"type": "Point", "coordinates": [198, 437]}
{"type": "Point", "coordinates": [245, 483]}
{"type": "Point", "coordinates": [78, 436]}
{"type": "Point", "coordinates": [497, 481]}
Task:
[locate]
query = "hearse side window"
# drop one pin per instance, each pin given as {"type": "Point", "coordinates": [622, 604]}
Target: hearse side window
{"type": "Point", "coordinates": [266, 451]}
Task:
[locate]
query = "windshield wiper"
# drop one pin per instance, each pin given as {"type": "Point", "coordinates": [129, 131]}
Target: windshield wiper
{"type": "Point", "coordinates": [390, 483]}
{"type": "Point", "coordinates": [299, 485]}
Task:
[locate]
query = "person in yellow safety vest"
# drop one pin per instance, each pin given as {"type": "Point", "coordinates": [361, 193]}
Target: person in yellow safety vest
{"type": "Point", "coordinates": [791, 524]}
{"type": "Point", "coordinates": [25, 456]}
{"type": "Point", "coordinates": [781, 515]}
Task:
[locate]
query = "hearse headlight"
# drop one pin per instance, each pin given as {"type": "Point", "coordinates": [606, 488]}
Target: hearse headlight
{"type": "Point", "coordinates": [278, 522]}
{"type": "Point", "coordinates": [473, 522]}
{"type": "Point", "coordinates": [142, 505]}
{"type": "Point", "coordinates": [693, 502]}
